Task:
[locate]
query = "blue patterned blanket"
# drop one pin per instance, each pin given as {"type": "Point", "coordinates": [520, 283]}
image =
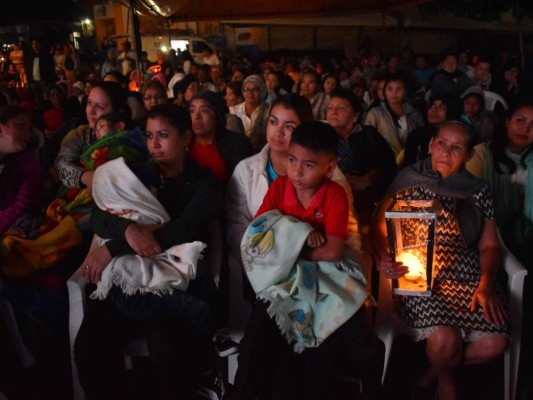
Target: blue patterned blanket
{"type": "Point", "coordinates": [308, 299]}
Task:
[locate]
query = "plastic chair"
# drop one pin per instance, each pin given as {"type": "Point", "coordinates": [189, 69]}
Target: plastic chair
{"type": "Point", "coordinates": [26, 357]}
{"type": "Point", "coordinates": [137, 347]}
{"type": "Point", "coordinates": [492, 99]}
{"type": "Point", "coordinates": [427, 96]}
{"type": "Point", "coordinates": [389, 324]}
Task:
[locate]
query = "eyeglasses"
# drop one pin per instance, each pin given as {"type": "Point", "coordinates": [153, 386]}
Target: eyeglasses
{"type": "Point", "coordinates": [155, 98]}
{"type": "Point", "coordinates": [249, 89]}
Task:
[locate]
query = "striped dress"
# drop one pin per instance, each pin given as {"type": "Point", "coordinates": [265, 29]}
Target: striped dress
{"type": "Point", "coordinates": [457, 274]}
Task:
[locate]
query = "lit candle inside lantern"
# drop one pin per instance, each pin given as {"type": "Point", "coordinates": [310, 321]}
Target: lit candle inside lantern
{"type": "Point", "coordinates": [410, 260]}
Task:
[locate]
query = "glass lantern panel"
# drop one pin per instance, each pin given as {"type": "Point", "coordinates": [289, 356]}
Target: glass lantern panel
{"type": "Point", "coordinates": [410, 226]}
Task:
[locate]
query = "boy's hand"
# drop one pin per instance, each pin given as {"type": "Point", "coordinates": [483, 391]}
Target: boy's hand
{"type": "Point", "coordinates": [315, 239]}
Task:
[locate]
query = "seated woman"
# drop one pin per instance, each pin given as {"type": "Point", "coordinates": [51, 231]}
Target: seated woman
{"type": "Point", "coordinates": [482, 121]}
{"type": "Point", "coordinates": [21, 177]}
{"type": "Point", "coordinates": [104, 98]}
{"type": "Point", "coordinates": [506, 164]}
{"type": "Point", "coordinates": [310, 89]}
{"type": "Point", "coordinates": [233, 93]}
{"type": "Point", "coordinates": [253, 111]}
{"type": "Point", "coordinates": [448, 78]}
{"type": "Point", "coordinates": [185, 89]}
{"type": "Point", "coordinates": [215, 146]}
{"type": "Point", "coordinates": [395, 119]}
{"type": "Point", "coordinates": [253, 175]}
{"type": "Point", "coordinates": [154, 93]}
{"type": "Point", "coordinates": [441, 108]}
{"type": "Point", "coordinates": [364, 156]}
{"type": "Point", "coordinates": [302, 310]}
{"type": "Point", "coordinates": [40, 298]}
{"type": "Point", "coordinates": [464, 319]}
{"type": "Point", "coordinates": [180, 352]}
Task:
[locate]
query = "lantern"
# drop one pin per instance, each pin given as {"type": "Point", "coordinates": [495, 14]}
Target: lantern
{"type": "Point", "coordinates": [411, 236]}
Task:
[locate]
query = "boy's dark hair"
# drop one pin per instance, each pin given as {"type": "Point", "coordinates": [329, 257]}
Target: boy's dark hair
{"type": "Point", "coordinates": [113, 117]}
{"type": "Point", "coordinates": [316, 136]}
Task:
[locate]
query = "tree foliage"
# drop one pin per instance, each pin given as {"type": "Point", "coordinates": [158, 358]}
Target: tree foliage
{"type": "Point", "coordinates": [484, 10]}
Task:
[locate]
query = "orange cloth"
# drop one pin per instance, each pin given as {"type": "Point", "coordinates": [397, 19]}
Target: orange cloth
{"type": "Point", "coordinates": [21, 256]}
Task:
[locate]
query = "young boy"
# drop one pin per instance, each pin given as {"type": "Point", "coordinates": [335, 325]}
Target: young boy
{"type": "Point", "coordinates": [114, 141]}
{"type": "Point", "coordinates": [308, 194]}
{"type": "Point", "coordinates": [266, 360]}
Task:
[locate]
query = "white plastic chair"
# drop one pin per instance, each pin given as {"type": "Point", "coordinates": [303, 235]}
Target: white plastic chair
{"type": "Point", "coordinates": [389, 324]}
{"type": "Point", "coordinates": [137, 347]}
{"type": "Point", "coordinates": [493, 98]}
{"type": "Point", "coordinates": [26, 357]}
{"type": "Point", "coordinates": [427, 96]}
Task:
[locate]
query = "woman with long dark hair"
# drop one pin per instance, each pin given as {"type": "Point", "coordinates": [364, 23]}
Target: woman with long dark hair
{"type": "Point", "coordinates": [395, 118]}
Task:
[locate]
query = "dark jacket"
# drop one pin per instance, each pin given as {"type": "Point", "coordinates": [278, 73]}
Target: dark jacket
{"type": "Point", "coordinates": [233, 147]}
{"type": "Point", "coordinates": [191, 199]}
{"type": "Point", "coordinates": [417, 144]}
{"type": "Point", "coordinates": [46, 67]}
{"type": "Point", "coordinates": [371, 151]}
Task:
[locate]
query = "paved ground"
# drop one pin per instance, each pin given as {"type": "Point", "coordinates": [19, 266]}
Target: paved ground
{"type": "Point", "coordinates": [480, 382]}
{"type": "Point", "coordinates": [50, 378]}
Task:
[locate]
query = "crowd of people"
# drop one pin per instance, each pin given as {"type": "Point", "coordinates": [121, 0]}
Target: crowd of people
{"type": "Point", "coordinates": [121, 171]}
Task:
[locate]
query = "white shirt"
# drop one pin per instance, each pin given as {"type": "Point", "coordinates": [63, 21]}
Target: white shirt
{"type": "Point", "coordinates": [36, 72]}
{"type": "Point", "coordinates": [212, 60]}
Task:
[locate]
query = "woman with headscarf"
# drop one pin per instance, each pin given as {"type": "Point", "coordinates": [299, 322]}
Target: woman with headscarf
{"type": "Point", "coordinates": [463, 321]}
{"type": "Point", "coordinates": [253, 111]}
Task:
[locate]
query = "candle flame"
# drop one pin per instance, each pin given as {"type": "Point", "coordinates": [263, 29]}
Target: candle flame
{"type": "Point", "coordinates": [410, 260]}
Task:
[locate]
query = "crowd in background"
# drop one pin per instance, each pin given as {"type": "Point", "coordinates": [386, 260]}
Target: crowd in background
{"type": "Point", "coordinates": [385, 109]}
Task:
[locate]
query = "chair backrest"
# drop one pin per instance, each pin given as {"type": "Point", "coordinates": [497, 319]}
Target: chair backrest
{"type": "Point", "coordinates": [492, 99]}
{"type": "Point", "coordinates": [389, 324]}
{"type": "Point", "coordinates": [427, 96]}
{"type": "Point", "coordinates": [137, 347]}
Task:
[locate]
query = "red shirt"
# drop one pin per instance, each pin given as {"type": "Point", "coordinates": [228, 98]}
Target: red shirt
{"type": "Point", "coordinates": [328, 213]}
{"type": "Point", "coordinates": [207, 155]}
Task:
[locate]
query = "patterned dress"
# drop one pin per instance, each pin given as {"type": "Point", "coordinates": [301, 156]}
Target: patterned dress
{"type": "Point", "coordinates": [457, 274]}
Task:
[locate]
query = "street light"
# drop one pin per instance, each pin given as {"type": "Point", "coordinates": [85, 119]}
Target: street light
{"type": "Point", "coordinates": [86, 26]}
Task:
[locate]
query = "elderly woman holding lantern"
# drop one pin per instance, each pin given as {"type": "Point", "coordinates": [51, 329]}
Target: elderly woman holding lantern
{"type": "Point", "coordinates": [463, 318]}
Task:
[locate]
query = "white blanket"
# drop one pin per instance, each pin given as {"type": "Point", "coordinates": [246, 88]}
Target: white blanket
{"type": "Point", "coordinates": [117, 190]}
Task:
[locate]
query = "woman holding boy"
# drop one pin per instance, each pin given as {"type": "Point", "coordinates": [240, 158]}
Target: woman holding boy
{"type": "Point", "coordinates": [267, 364]}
